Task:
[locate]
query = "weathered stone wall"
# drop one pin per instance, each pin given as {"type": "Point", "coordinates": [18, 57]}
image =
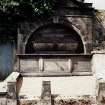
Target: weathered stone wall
{"type": "Point", "coordinates": [98, 67]}
{"type": "Point", "coordinates": [82, 25]}
{"type": "Point", "coordinates": [78, 15]}
{"type": "Point", "coordinates": [64, 90]}
{"type": "Point", "coordinates": [85, 29]}
{"type": "Point", "coordinates": [99, 30]}
{"type": "Point", "coordinates": [91, 29]}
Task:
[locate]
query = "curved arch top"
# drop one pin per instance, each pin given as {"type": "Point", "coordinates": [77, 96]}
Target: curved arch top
{"type": "Point", "coordinates": [55, 38]}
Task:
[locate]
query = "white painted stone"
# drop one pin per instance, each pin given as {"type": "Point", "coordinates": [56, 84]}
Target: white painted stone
{"type": "Point", "coordinates": [98, 66]}
{"type": "Point", "coordinates": [3, 87]}
{"type": "Point", "coordinates": [62, 86]}
{"type": "Point", "coordinates": [11, 78]}
{"type": "Point", "coordinates": [3, 101]}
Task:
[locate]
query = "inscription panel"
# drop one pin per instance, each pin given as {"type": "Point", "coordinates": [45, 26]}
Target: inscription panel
{"type": "Point", "coordinates": [82, 66]}
{"type": "Point", "coordinates": [28, 65]}
{"type": "Point", "coordinates": [56, 65]}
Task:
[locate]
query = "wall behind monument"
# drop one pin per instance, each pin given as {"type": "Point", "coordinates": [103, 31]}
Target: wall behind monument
{"type": "Point", "coordinates": [6, 59]}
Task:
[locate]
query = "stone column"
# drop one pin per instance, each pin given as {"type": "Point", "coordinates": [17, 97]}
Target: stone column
{"type": "Point", "coordinates": [98, 68]}
{"type": "Point", "coordinates": [11, 93]}
{"type": "Point", "coordinates": [46, 93]}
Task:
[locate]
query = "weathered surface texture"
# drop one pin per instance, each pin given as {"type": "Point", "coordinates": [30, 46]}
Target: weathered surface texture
{"type": "Point", "coordinates": [46, 93]}
{"type": "Point", "coordinates": [83, 26]}
{"type": "Point", "coordinates": [74, 14]}
{"type": "Point", "coordinates": [88, 25]}
{"type": "Point", "coordinates": [3, 100]}
{"type": "Point", "coordinates": [63, 89]}
{"type": "Point", "coordinates": [99, 30]}
{"type": "Point", "coordinates": [85, 100]}
{"type": "Point", "coordinates": [50, 65]}
{"type": "Point", "coordinates": [98, 67]}
{"type": "Point", "coordinates": [8, 90]}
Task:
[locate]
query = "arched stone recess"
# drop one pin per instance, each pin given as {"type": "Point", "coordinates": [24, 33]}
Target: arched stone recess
{"type": "Point", "coordinates": [55, 38]}
{"type": "Point", "coordinates": [79, 33]}
{"type": "Point", "coordinates": [84, 26]}
{"type": "Point", "coordinates": [61, 21]}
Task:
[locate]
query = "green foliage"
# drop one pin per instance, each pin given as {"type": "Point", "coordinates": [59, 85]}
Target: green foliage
{"type": "Point", "coordinates": [24, 7]}
{"type": "Point", "coordinates": [14, 11]}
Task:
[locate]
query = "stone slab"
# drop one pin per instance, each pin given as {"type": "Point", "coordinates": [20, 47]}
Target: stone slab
{"type": "Point", "coordinates": [11, 78]}
{"type": "Point", "coordinates": [98, 66]}
{"type": "Point", "coordinates": [60, 86]}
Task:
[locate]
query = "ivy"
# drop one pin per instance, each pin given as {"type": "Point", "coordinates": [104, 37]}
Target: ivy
{"type": "Point", "coordinates": [25, 7]}
{"type": "Point", "coordinates": [14, 11]}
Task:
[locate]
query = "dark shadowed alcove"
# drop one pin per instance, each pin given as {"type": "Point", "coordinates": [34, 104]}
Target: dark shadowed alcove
{"type": "Point", "coordinates": [54, 38]}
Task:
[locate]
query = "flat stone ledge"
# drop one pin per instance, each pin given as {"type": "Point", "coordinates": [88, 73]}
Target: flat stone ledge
{"type": "Point", "coordinates": [61, 86]}
{"type": "Point", "coordinates": [11, 78]}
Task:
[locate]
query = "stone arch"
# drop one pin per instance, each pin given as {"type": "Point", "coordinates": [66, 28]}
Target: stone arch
{"type": "Point", "coordinates": [80, 34]}
{"type": "Point", "coordinates": [65, 25]}
{"type": "Point", "coordinates": [61, 21]}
